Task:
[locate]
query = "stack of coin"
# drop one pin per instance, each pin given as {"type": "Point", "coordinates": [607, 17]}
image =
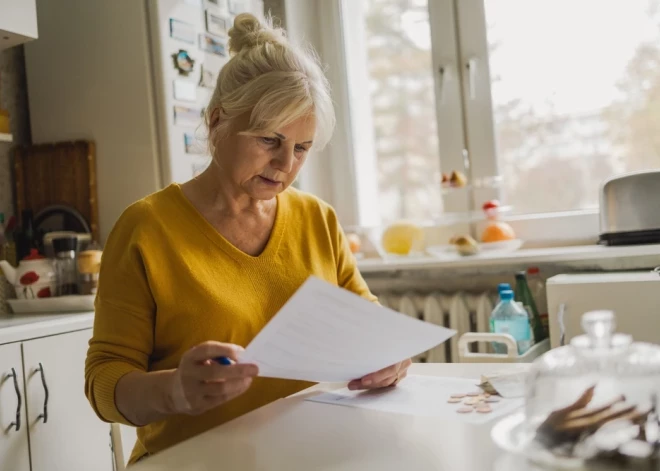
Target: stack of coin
{"type": "Point", "coordinates": [473, 401]}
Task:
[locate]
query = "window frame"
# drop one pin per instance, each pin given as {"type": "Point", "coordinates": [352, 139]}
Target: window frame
{"type": "Point", "coordinates": [458, 38]}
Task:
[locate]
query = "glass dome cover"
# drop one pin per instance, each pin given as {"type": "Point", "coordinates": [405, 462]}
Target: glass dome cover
{"type": "Point", "coordinates": [595, 399]}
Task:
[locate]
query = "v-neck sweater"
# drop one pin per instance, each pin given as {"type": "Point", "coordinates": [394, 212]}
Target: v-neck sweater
{"type": "Point", "coordinates": [169, 281]}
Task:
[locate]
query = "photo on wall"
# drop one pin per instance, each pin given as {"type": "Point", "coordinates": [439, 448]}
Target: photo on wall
{"type": "Point", "coordinates": [220, 5]}
{"type": "Point", "coordinates": [207, 78]}
{"type": "Point", "coordinates": [192, 146]}
{"type": "Point", "coordinates": [182, 31]}
{"type": "Point", "coordinates": [236, 6]}
{"type": "Point", "coordinates": [185, 90]}
{"type": "Point", "coordinates": [217, 24]}
{"type": "Point", "coordinates": [212, 45]}
{"type": "Point", "coordinates": [184, 115]}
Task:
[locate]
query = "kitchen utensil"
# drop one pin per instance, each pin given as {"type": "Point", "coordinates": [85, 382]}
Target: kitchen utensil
{"type": "Point", "coordinates": [54, 305]}
{"type": "Point", "coordinates": [66, 267]}
{"type": "Point", "coordinates": [84, 241]}
{"type": "Point", "coordinates": [34, 277]}
{"type": "Point", "coordinates": [57, 218]}
{"type": "Point", "coordinates": [89, 266]}
{"type": "Point", "coordinates": [629, 210]}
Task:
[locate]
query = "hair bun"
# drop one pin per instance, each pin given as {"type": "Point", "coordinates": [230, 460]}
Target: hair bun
{"type": "Point", "coordinates": [248, 32]}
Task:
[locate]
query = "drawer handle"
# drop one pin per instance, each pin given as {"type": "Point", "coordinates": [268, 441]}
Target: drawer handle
{"type": "Point", "coordinates": [44, 415]}
{"type": "Point", "coordinates": [17, 423]}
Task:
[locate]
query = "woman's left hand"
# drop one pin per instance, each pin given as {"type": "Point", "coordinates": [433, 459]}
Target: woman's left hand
{"type": "Point", "coordinates": [384, 378]}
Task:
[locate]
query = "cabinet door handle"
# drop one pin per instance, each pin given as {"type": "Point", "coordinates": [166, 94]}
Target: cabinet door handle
{"type": "Point", "coordinates": [44, 415]}
{"type": "Point", "coordinates": [17, 422]}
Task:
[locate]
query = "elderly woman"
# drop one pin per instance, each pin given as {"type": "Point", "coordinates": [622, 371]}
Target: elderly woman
{"type": "Point", "coordinates": [194, 271]}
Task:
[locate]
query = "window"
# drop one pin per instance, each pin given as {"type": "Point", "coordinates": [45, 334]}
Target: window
{"type": "Point", "coordinates": [536, 101]}
{"type": "Point", "coordinates": [401, 90]}
{"type": "Point", "coordinates": [576, 96]}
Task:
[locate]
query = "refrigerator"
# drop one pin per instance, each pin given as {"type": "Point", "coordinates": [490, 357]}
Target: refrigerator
{"type": "Point", "coordinates": [633, 296]}
{"type": "Point", "coordinates": [134, 77]}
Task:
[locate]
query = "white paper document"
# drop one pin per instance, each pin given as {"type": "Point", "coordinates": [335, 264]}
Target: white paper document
{"type": "Point", "coordinates": [508, 383]}
{"type": "Point", "coordinates": [420, 396]}
{"type": "Point", "coordinates": [325, 333]}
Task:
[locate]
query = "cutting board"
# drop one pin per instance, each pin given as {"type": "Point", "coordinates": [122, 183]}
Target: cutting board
{"type": "Point", "coordinates": [62, 173]}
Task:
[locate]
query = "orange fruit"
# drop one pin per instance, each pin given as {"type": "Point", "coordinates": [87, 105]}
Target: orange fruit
{"type": "Point", "coordinates": [354, 242]}
{"type": "Point", "coordinates": [497, 232]}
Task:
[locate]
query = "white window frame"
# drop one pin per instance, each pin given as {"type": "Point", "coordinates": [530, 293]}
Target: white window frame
{"type": "Point", "coordinates": [458, 36]}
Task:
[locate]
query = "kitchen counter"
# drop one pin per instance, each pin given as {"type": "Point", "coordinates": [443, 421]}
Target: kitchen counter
{"type": "Point", "coordinates": [295, 434]}
{"type": "Point", "coordinates": [19, 327]}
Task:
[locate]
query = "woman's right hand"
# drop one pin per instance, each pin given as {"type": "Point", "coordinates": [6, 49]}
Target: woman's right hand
{"type": "Point", "coordinates": [200, 383]}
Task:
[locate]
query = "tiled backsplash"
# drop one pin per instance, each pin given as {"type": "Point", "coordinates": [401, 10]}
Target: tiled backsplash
{"type": "Point", "coordinates": [13, 97]}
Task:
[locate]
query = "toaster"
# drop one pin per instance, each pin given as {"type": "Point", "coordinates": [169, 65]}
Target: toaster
{"type": "Point", "coordinates": [630, 209]}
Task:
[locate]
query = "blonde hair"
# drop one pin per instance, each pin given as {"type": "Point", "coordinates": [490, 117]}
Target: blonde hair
{"type": "Point", "coordinates": [273, 80]}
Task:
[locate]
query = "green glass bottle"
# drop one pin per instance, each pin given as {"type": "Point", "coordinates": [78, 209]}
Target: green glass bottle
{"type": "Point", "coordinates": [524, 295]}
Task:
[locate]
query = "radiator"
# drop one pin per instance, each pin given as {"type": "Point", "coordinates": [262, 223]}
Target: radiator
{"type": "Point", "coordinates": [461, 311]}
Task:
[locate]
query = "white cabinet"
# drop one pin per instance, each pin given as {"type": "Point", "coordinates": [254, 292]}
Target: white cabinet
{"type": "Point", "coordinates": [14, 451]}
{"type": "Point", "coordinates": [63, 431]}
{"type": "Point", "coordinates": [18, 22]}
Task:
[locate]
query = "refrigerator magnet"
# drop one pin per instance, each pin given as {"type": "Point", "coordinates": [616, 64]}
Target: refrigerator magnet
{"type": "Point", "coordinates": [184, 115]}
{"type": "Point", "coordinates": [191, 145]}
{"type": "Point", "coordinates": [236, 7]}
{"type": "Point", "coordinates": [221, 4]}
{"type": "Point", "coordinates": [217, 24]}
{"type": "Point", "coordinates": [207, 78]}
{"type": "Point", "coordinates": [183, 62]}
{"type": "Point", "coordinates": [182, 31]}
{"type": "Point", "coordinates": [185, 90]}
{"type": "Point", "coordinates": [213, 45]}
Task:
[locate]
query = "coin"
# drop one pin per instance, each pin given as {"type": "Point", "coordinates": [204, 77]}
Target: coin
{"type": "Point", "coordinates": [464, 410]}
{"type": "Point", "coordinates": [484, 410]}
{"type": "Point", "coordinates": [470, 401]}
{"type": "Point", "coordinates": [473, 394]}
{"type": "Point", "coordinates": [492, 399]}
{"type": "Point", "coordinates": [453, 400]}
{"type": "Point", "coordinates": [458, 395]}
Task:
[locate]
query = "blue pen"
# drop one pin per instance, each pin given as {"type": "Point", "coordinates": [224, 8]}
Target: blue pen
{"type": "Point", "coordinates": [223, 360]}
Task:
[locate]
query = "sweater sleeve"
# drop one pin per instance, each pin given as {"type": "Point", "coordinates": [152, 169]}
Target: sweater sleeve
{"type": "Point", "coordinates": [122, 340]}
{"type": "Point", "coordinates": [348, 274]}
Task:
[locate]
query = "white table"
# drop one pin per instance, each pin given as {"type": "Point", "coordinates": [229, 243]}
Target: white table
{"type": "Point", "coordinates": [293, 434]}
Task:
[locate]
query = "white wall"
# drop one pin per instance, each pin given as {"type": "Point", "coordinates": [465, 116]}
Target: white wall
{"type": "Point", "coordinates": [89, 77]}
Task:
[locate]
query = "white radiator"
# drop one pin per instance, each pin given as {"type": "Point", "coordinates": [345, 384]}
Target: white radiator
{"type": "Point", "coordinates": [461, 311]}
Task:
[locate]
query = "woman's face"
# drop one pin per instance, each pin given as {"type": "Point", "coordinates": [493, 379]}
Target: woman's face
{"type": "Point", "coordinates": [264, 165]}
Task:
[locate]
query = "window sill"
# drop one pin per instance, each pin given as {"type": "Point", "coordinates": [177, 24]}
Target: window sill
{"type": "Point", "coordinates": [639, 256]}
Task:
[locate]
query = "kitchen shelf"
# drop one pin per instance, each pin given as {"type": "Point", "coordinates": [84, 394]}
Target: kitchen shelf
{"type": "Point", "coordinates": [646, 255]}
{"type": "Point", "coordinates": [4, 137]}
{"type": "Point", "coordinates": [451, 218]}
{"type": "Point", "coordinates": [478, 184]}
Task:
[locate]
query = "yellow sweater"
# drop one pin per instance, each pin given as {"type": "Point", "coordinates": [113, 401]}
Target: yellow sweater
{"type": "Point", "coordinates": [169, 281]}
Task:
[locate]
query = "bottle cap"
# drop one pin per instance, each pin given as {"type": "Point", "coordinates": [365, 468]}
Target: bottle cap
{"type": "Point", "coordinates": [521, 275]}
{"type": "Point", "coordinates": [503, 287]}
{"type": "Point", "coordinates": [64, 244]}
{"type": "Point", "coordinates": [533, 271]}
{"type": "Point", "coordinates": [506, 295]}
